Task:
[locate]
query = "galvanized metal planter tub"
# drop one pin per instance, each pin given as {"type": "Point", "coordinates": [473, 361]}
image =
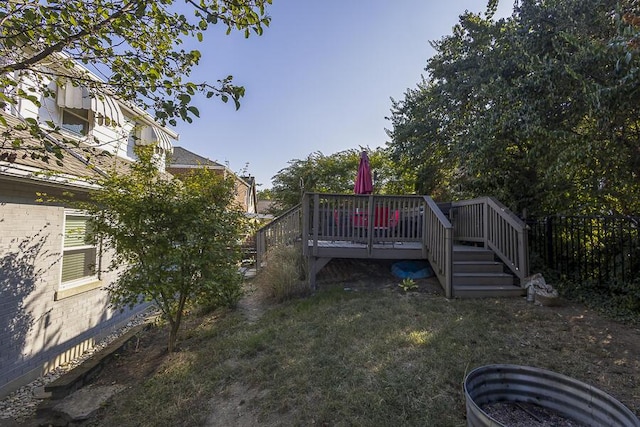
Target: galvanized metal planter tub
{"type": "Point", "coordinates": [564, 395]}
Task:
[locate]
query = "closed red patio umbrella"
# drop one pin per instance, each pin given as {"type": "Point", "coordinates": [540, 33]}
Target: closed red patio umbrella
{"type": "Point", "coordinates": [364, 180]}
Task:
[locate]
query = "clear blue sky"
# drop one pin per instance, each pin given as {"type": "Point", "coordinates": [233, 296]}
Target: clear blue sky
{"type": "Point", "coordinates": [320, 78]}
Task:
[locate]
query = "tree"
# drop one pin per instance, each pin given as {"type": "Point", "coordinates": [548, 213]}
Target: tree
{"type": "Point", "coordinates": [539, 109]}
{"type": "Point", "coordinates": [135, 44]}
{"type": "Point", "coordinates": [176, 241]}
{"type": "Point", "coordinates": [336, 173]}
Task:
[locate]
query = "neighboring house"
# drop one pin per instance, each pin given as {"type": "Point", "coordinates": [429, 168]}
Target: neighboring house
{"type": "Point", "coordinates": [267, 207]}
{"type": "Point", "coordinates": [53, 301]}
{"type": "Point", "coordinates": [183, 161]}
{"type": "Point", "coordinates": [246, 190]}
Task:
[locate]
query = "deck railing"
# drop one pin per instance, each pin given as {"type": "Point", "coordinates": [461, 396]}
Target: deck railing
{"type": "Point", "coordinates": [487, 221]}
{"type": "Point", "coordinates": [362, 218]}
{"type": "Point", "coordinates": [438, 239]}
{"type": "Point", "coordinates": [284, 230]}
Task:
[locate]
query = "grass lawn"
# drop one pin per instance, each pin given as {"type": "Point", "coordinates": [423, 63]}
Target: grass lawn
{"type": "Point", "coordinates": [368, 358]}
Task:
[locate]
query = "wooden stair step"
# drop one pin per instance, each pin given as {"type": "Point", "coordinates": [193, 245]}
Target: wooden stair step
{"type": "Point", "coordinates": [477, 267]}
{"type": "Point", "coordinates": [481, 279]}
{"type": "Point", "coordinates": [471, 253]}
{"type": "Point", "coordinates": [467, 291]}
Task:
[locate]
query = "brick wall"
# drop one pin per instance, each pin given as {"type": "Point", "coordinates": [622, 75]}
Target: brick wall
{"type": "Point", "coordinates": [241, 195]}
{"type": "Point", "coordinates": [37, 333]}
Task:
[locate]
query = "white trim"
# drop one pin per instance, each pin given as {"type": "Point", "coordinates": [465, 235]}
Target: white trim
{"type": "Point", "coordinates": [64, 286]}
{"type": "Point", "coordinates": [13, 170]}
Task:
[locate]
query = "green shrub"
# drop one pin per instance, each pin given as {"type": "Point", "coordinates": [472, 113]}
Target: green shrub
{"type": "Point", "coordinates": [284, 272]}
{"type": "Point", "coordinates": [408, 284]}
{"type": "Point", "coordinates": [224, 293]}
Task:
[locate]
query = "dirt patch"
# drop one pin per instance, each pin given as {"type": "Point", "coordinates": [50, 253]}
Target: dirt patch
{"type": "Point", "coordinates": [527, 415]}
{"type": "Point", "coordinates": [254, 302]}
{"type": "Point", "coordinates": [369, 275]}
{"type": "Point", "coordinates": [236, 407]}
{"type": "Point", "coordinates": [145, 354]}
{"type": "Point", "coordinates": [139, 359]}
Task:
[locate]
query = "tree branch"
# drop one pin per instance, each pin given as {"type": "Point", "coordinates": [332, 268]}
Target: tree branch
{"type": "Point", "coordinates": [59, 46]}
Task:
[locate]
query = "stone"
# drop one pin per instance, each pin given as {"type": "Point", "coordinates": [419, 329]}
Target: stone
{"type": "Point", "coordinates": [40, 393]}
{"type": "Point", "coordinates": [544, 294]}
{"type": "Point", "coordinates": [27, 405]}
{"type": "Point", "coordinates": [83, 403]}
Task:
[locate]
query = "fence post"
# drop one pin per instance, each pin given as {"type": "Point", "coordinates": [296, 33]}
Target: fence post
{"type": "Point", "coordinates": [548, 235]}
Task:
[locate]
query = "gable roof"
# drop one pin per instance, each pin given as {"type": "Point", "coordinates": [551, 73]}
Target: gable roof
{"type": "Point", "coordinates": [250, 180]}
{"type": "Point", "coordinates": [183, 157]}
{"type": "Point", "coordinates": [25, 161]}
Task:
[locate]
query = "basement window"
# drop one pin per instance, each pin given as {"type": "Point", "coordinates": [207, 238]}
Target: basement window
{"type": "Point", "coordinates": [79, 256]}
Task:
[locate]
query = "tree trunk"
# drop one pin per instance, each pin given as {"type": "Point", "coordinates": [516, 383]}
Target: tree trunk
{"type": "Point", "coordinates": [175, 325]}
{"type": "Point", "coordinates": [173, 336]}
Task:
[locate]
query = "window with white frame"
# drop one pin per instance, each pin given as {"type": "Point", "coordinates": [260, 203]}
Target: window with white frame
{"type": "Point", "coordinates": [80, 254]}
{"type": "Point", "coordinates": [75, 120]}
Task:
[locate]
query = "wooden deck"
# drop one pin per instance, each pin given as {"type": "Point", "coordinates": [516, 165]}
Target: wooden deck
{"type": "Point", "coordinates": [409, 227]}
{"type": "Point", "coordinates": [375, 250]}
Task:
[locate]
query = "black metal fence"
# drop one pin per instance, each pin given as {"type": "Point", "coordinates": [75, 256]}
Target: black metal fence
{"type": "Point", "coordinates": [600, 250]}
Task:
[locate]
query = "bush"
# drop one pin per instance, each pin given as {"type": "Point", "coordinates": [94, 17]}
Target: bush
{"type": "Point", "coordinates": [284, 272]}
{"type": "Point", "coordinates": [177, 238]}
{"type": "Point", "coordinates": [223, 294]}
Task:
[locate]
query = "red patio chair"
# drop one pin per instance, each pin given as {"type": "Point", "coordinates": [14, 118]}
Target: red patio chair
{"type": "Point", "coordinates": [383, 219]}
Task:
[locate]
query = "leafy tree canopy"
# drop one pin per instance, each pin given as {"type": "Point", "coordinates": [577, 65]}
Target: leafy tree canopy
{"type": "Point", "coordinates": [539, 109]}
{"type": "Point", "coordinates": [136, 45]}
{"type": "Point", "coordinates": [176, 241]}
{"type": "Point", "coordinates": [336, 173]}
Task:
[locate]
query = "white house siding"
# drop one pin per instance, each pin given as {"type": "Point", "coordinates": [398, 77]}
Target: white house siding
{"type": "Point", "coordinates": [114, 139]}
{"type": "Point", "coordinates": [38, 333]}
{"type": "Point", "coordinates": [26, 108]}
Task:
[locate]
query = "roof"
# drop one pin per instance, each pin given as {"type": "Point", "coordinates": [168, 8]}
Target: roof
{"type": "Point", "coordinates": [31, 160]}
{"type": "Point", "coordinates": [265, 206]}
{"type": "Point", "coordinates": [183, 157]}
{"type": "Point", "coordinates": [250, 180]}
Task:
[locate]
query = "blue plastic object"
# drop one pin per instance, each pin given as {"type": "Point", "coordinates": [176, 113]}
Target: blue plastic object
{"type": "Point", "coordinates": [411, 269]}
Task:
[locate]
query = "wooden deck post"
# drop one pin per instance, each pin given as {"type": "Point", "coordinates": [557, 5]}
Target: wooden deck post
{"type": "Point", "coordinates": [448, 262]}
{"type": "Point", "coordinates": [316, 222]}
{"type": "Point", "coordinates": [485, 223]}
{"type": "Point", "coordinates": [370, 224]}
{"type": "Point", "coordinates": [260, 248]}
{"type": "Point", "coordinates": [315, 265]}
{"type": "Point", "coordinates": [305, 224]}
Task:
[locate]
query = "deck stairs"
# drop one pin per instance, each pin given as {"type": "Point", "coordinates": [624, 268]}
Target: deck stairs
{"type": "Point", "coordinates": [477, 274]}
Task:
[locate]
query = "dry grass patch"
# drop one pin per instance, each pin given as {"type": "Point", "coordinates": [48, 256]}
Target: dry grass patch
{"type": "Point", "coordinates": [372, 358]}
{"type": "Point", "coordinates": [283, 275]}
